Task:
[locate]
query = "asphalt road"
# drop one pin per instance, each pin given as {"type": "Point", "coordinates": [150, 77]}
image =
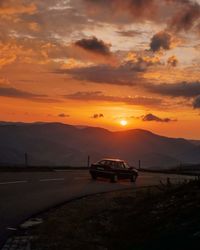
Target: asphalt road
{"type": "Point", "coordinates": [24, 194]}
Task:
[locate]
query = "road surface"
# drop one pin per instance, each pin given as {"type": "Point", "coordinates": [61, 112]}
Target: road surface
{"type": "Point", "coordinates": [25, 194]}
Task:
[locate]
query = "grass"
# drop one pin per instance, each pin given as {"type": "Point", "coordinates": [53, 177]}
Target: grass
{"type": "Point", "coordinates": [132, 219]}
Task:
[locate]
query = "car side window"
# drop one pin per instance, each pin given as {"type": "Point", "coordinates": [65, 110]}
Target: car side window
{"type": "Point", "coordinates": [112, 163]}
{"type": "Point", "coordinates": [106, 163]}
{"type": "Point", "coordinates": [119, 165]}
{"type": "Point", "coordinates": [102, 162]}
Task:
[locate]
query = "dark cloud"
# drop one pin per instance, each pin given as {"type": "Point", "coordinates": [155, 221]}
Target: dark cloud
{"type": "Point", "coordinates": [63, 115]}
{"type": "Point", "coordinates": [196, 103]}
{"type": "Point", "coordinates": [124, 11]}
{"type": "Point", "coordinates": [97, 116]}
{"type": "Point", "coordinates": [150, 117]}
{"type": "Point", "coordinates": [172, 61]}
{"type": "Point", "coordinates": [176, 14]}
{"type": "Point", "coordinates": [94, 45]}
{"type": "Point", "coordinates": [16, 93]}
{"type": "Point", "coordinates": [129, 33]}
{"type": "Point", "coordinates": [104, 74]}
{"type": "Point", "coordinates": [99, 96]}
{"type": "Point", "coordinates": [161, 40]}
{"type": "Point", "coordinates": [183, 89]}
{"type": "Point", "coordinates": [186, 18]}
{"type": "Point", "coordinates": [85, 96]}
{"type": "Point", "coordinates": [128, 73]}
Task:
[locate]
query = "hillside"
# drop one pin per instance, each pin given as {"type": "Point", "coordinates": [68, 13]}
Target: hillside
{"type": "Point", "coordinates": [61, 144]}
{"type": "Point", "coordinates": [142, 219]}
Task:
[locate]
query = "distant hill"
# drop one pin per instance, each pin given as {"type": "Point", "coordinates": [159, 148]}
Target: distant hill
{"type": "Point", "coordinates": [195, 142]}
{"type": "Point", "coordinates": [60, 144]}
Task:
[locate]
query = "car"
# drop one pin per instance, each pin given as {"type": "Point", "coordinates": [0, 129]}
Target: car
{"type": "Point", "coordinates": [113, 169]}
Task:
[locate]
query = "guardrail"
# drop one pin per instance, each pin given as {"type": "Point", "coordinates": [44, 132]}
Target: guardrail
{"type": "Point", "coordinates": [38, 168]}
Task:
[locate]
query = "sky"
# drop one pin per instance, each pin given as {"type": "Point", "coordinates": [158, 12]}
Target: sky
{"type": "Point", "coordinates": [101, 62]}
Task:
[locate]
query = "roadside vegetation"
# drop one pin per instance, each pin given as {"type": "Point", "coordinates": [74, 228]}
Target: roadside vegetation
{"type": "Point", "coordinates": [164, 217]}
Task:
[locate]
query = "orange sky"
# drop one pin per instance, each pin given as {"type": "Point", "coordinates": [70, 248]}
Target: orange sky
{"type": "Point", "coordinates": [96, 63]}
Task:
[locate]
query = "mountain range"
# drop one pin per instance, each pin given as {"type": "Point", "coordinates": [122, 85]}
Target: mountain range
{"type": "Point", "coordinates": [57, 144]}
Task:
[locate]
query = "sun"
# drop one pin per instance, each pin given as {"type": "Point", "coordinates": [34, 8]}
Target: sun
{"type": "Point", "coordinates": [123, 123]}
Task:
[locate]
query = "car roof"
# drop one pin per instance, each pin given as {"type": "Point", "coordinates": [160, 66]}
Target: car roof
{"type": "Point", "coordinates": [110, 159]}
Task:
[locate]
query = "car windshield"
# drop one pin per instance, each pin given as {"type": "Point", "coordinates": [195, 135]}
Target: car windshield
{"type": "Point", "coordinates": [126, 165]}
{"type": "Point", "coordinates": [104, 162]}
{"type": "Point", "coordinates": [101, 162]}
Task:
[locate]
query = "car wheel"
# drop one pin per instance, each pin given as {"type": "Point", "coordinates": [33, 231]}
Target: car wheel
{"type": "Point", "coordinates": [133, 178]}
{"type": "Point", "coordinates": [94, 177]}
{"type": "Point", "coordinates": [114, 178]}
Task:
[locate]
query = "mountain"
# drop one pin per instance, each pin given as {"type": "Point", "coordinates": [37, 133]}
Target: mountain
{"type": "Point", "coordinates": [60, 144]}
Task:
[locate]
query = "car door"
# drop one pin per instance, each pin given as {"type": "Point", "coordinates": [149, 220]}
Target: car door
{"type": "Point", "coordinates": [126, 170]}
{"type": "Point", "coordinates": [121, 170]}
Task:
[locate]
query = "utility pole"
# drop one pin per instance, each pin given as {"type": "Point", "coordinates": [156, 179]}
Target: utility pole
{"type": "Point", "coordinates": [88, 161]}
{"type": "Point", "coordinates": [26, 159]}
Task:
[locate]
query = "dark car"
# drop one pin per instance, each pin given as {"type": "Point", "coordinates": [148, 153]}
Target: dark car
{"type": "Point", "coordinates": [113, 169]}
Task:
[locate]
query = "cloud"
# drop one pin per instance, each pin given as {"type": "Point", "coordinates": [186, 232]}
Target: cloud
{"type": "Point", "coordinates": [128, 33]}
{"type": "Point", "coordinates": [183, 89]}
{"type": "Point", "coordinates": [99, 96]}
{"type": "Point", "coordinates": [140, 62]}
{"type": "Point", "coordinates": [47, 53]}
{"type": "Point", "coordinates": [128, 72]}
{"type": "Point", "coordinates": [18, 51]}
{"type": "Point", "coordinates": [124, 11]}
{"type": "Point", "coordinates": [97, 116]}
{"type": "Point", "coordinates": [63, 115]}
{"type": "Point", "coordinates": [94, 45]}
{"type": "Point", "coordinates": [103, 74]}
{"type": "Point", "coordinates": [172, 61]}
{"type": "Point", "coordinates": [161, 40]}
{"type": "Point", "coordinates": [176, 15]}
{"type": "Point", "coordinates": [186, 17]}
{"type": "Point", "coordinates": [10, 7]}
{"type": "Point", "coordinates": [38, 32]}
{"type": "Point", "coordinates": [41, 20]}
{"type": "Point", "coordinates": [150, 117]}
{"type": "Point", "coordinates": [16, 93]}
{"type": "Point", "coordinates": [196, 103]}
